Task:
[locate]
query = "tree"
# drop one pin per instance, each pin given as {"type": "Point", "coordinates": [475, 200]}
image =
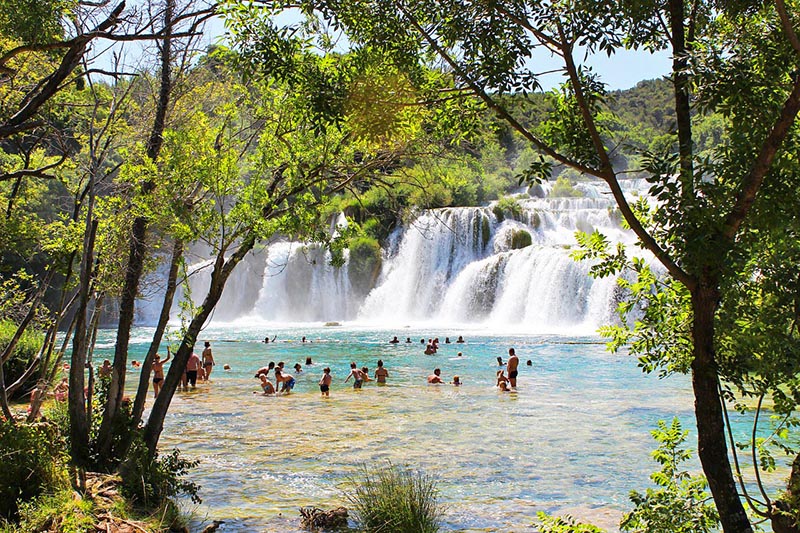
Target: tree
{"type": "Point", "coordinates": [737, 59]}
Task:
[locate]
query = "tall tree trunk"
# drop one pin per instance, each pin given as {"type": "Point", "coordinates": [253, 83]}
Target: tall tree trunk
{"type": "Point", "coordinates": [147, 364]}
{"type": "Point", "coordinates": [79, 421]}
{"type": "Point", "coordinates": [712, 446]}
{"type": "Point", "coordinates": [219, 276]}
{"type": "Point", "coordinates": [137, 251]}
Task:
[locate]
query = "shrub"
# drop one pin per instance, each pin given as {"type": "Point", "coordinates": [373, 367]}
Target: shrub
{"type": "Point", "coordinates": [61, 511]}
{"type": "Point", "coordinates": [563, 524]}
{"type": "Point", "coordinates": [680, 504]}
{"type": "Point", "coordinates": [33, 462]}
{"type": "Point", "coordinates": [364, 263]}
{"type": "Point", "coordinates": [26, 350]}
{"type": "Point", "coordinates": [563, 189]}
{"type": "Point", "coordinates": [149, 482]}
{"type": "Point", "coordinates": [520, 239]}
{"type": "Point", "coordinates": [507, 207]}
{"type": "Point", "coordinates": [395, 500]}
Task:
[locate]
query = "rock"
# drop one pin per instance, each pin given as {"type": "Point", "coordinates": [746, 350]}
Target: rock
{"type": "Point", "coordinates": [213, 526]}
{"type": "Point", "coordinates": [314, 518]}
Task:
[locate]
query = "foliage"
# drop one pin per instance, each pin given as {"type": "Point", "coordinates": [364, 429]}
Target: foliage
{"type": "Point", "coordinates": [34, 463]}
{"type": "Point", "coordinates": [563, 188]}
{"type": "Point", "coordinates": [681, 503]}
{"type": "Point", "coordinates": [507, 207]}
{"type": "Point", "coordinates": [520, 239]}
{"type": "Point", "coordinates": [57, 511]}
{"type": "Point", "coordinates": [148, 482]}
{"type": "Point", "coordinates": [563, 524]}
{"type": "Point", "coordinates": [364, 262]}
{"type": "Point", "coordinates": [24, 353]}
{"type": "Point", "coordinates": [395, 500]}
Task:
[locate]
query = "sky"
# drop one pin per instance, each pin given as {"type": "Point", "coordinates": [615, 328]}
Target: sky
{"type": "Point", "coordinates": [622, 70]}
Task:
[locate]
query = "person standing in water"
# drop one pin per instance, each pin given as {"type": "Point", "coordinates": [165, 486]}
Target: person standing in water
{"type": "Point", "coordinates": [511, 365]}
{"type": "Point", "coordinates": [208, 360]}
{"type": "Point", "coordinates": [158, 372]}
{"type": "Point", "coordinates": [355, 373]}
{"type": "Point", "coordinates": [325, 382]}
{"type": "Point", "coordinates": [381, 373]}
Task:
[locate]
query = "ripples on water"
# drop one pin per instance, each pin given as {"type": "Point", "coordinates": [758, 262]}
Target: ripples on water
{"type": "Point", "coordinates": [574, 438]}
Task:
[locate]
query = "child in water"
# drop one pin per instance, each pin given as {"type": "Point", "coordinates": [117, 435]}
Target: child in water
{"type": "Point", "coordinates": [266, 386]}
{"type": "Point", "coordinates": [456, 381]}
{"type": "Point", "coordinates": [325, 382]}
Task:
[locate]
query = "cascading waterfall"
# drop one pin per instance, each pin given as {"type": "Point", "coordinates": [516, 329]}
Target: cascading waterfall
{"type": "Point", "coordinates": [460, 265]}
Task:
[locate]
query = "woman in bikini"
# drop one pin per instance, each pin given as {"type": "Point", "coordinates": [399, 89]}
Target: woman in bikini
{"type": "Point", "coordinates": [158, 372]}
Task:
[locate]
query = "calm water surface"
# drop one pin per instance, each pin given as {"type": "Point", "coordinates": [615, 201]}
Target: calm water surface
{"type": "Point", "coordinates": [574, 439]}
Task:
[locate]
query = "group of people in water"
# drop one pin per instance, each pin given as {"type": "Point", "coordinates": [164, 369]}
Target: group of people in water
{"type": "Point", "coordinates": [284, 382]}
{"type": "Point", "coordinates": [200, 367]}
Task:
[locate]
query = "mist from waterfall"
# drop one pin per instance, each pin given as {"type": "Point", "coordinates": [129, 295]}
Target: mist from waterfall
{"type": "Point", "coordinates": [450, 266]}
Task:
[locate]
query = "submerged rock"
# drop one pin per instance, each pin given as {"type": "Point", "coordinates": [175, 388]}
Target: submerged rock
{"type": "Point", "coordinates": [315, 518]}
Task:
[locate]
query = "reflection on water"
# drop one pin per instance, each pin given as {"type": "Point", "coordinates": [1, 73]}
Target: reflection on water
{"type": "Point", "coordinates": [574, 438]}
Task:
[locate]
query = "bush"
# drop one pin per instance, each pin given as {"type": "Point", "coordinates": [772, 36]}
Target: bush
{"type": "Point", "coordinates": [61, 511]}
{"type": "Point", "coordinates": [395, 500]}
{"type": "Point", "coordinates": [364, 263]}
{"type": "Point", "coordinates": [680, 504]}
{"type": "Point", "coordinates": [563, 189]}
{"type": "Point", "coordinates": [507, 207]}
{"type": "Point", "coordinates": [149, 483]}
{"type": "Point", "coordinates": [24, 353]}
{"type": "Point", "coordinates": [33, 462]}
{"type": "Point", "coordinates": [520, 239]}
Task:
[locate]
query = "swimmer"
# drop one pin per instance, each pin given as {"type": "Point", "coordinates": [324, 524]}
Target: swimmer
{"type": "Point", "coordinates": [460, 354]}
{"type": "Point", "coordinates": [226, 367]}
{"type": "Point", "coordinates": [287, 382]}
{"type": "Point", "coordinates": [208, 361]}
{"type": "Point", "coordinates": [365, 373]}
{"type": "Point", "coordinates": [456, 381]}
{"type": "Point", "coordinates": [158, 372]}
{"type": "Point", "coordinates": [502, 380]}
{"type": "Point", "coordinates": [408, 340]}
{"type": "Point", "coordinates": [308, 361]}
{"type": "Point", "coordinates": [381, 373]}
{"type": "Point", "coordinates": [436, 376]}
{"type": "Point", "coordinates": [297, 368]}
{"type": "Point", "coordinates": [529, 363]}
{"type": "Point", "coordinates": [266, 386]}
{"type": "Point", "coordinates": [105, 370]}
{"type": "Point", "coordinates": [325, 382]}
{"type": "Point", "coordinates": [460, 340]}
{"type": "Point", "coordinates": [513, 363]}
{"type": "Point", "coordinates": [395, 340]}
{"type": "Point", "coordinates": [355, 373]}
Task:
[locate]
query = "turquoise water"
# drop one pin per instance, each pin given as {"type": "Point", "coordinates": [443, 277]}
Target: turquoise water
{"type": "Point", "coordinates": [573, 440]}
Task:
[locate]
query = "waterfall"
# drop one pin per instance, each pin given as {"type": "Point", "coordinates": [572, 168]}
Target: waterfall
{"type": "Point", "coordinates": [456, 265]}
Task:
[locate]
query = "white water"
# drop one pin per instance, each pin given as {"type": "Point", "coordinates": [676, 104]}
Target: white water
{"type": "Point", "coordinates": [450, 266]}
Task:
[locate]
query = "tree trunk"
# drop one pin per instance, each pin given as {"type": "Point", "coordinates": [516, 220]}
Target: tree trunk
{"type": "Point", "coordinates": [219, 276]}
{"type": "Point", "coordinates": [3, 398]}
{"type": "Point", "coordinates": [138, 250]}
{"type": "Point", "coordinates": [79, 422]}
{"type": "Point", "coordinates": [147, 365]}
{"type": "Point", "coordinates": [712, 446]}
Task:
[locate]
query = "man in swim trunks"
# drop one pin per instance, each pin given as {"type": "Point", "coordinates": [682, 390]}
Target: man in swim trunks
{"type": "Point", "coordinates": [287, 382]}
{"type": "Point", "coordinates": [511, 366]}
{"type": "Point", "coordinates": [208, 360]}
{"type": "Point", "coordinates": [325, 382]}
{"type": "Point", "coordinates": [435, 377]}
{"type": "Point", "coordinates": [355, 373]}
{"type": "Point", "coordinates": [158, 372]}
{"type": "Point", "coordinates": [193, 366]}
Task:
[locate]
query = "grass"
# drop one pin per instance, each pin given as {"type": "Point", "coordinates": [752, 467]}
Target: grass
{"type": "Point", "coordinates": [395, 500]}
